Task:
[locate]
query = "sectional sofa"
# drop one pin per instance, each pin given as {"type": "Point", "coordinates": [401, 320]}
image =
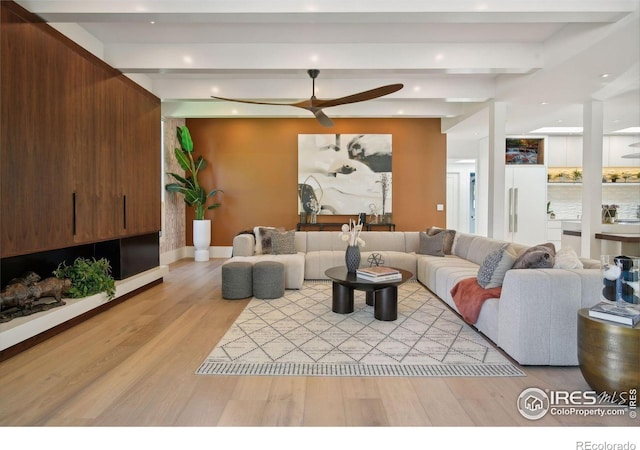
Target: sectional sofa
{"type": "Point", "coordinates": [534, 319]}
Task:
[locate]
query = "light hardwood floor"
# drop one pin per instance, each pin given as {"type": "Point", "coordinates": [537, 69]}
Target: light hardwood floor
{"type": "Point", "coordinates": [134, 365]}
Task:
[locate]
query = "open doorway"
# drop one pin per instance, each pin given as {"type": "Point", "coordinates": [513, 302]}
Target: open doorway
{"type": "Point", "coordinates": [472, 202]}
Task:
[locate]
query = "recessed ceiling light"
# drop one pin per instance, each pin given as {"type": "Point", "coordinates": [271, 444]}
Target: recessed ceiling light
{"type": "Point", "coordinates": [604, 75]}
{"type": "Point", "coordinates": [187, 59]}
{"type": "Point", "coordinates": [466, 161]}
{"type": "Point", "coordinates": [313, 58]}
{"type": "Point", "coordinates": [152, 22]}
{"type": "Point", "coordinates": [416, 88]}
{"type": "Point", "coordinates": [544, 103]}
{"type": "Point", "coordinates": [439, 57]}
{"type": "Point", "coordinates": [400, 112]}
{"type": "Point", "coordinates": [215, 89]}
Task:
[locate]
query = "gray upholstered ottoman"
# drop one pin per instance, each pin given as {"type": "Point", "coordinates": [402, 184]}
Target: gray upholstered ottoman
{"type": "Point", "coordinates": [268, 279]}
{"type": "Point", "coordinates": [237, 280]}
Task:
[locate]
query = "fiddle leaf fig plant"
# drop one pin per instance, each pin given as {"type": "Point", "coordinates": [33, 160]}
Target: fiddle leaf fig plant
{"type": "Point", "coordinates": [188, 185]}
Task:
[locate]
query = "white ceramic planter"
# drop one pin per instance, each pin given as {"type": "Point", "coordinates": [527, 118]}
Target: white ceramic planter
{"type": "Point", "coordinates": [201, 239]}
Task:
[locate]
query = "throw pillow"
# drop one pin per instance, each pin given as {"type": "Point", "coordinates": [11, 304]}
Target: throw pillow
{"type": "Point", "coordinates": [494, 268]}
{"type": "Point", "coordinates": [263, 239]}
{"type": "Point", "coordinates": [431, 245]}
{"type": "Point", "coordinates": [567, 258]}
{"type": "Point", "coordinates": [283, 243]}
{"type": "Point", "coordinates": [537, 257]}
{"type": "Point", "coordinates": [448, 239]}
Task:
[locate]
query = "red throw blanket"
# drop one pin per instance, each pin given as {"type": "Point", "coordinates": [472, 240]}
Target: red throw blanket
{"type": "Point", "coordinates": [469, 296]}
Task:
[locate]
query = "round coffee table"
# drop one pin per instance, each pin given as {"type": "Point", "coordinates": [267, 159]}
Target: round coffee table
{"type": "Point", "coordinates": [382, 295]}
{"type": "Point", "coordinates": [608, 354]}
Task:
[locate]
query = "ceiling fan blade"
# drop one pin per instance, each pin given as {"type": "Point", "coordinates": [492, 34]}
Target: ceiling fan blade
{"type": "Point", "coordinates": [252, 102]}
{"type": "Point", "coordinates": [322, 118]}
{"type": "Point", "coordinates": [360, 96]}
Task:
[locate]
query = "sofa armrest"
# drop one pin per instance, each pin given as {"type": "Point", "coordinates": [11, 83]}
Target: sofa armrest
{"type": "Point", "coordinates": [244, 245]}
{"type": "Point", "coordinates": [537, 316]}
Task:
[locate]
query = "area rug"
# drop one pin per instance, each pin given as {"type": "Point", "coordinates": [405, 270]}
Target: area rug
{"type": "Point", "coordinates": [298, 334]}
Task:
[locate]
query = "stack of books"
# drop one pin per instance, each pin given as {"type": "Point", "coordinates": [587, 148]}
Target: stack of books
{"type": "Point", "coordinates": [627, 315]}
{"type": "Point", "coordinates": [379, 273]}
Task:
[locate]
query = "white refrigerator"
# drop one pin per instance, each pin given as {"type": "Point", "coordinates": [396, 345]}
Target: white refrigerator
{"type": "Point", "coordinates": [526, 203]}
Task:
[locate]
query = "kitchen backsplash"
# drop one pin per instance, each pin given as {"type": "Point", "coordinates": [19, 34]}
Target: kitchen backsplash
{"type": "Point", "coordinates": [566, 199]}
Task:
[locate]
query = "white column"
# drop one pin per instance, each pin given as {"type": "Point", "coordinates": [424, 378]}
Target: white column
{"type": "Point", "coordinates": [591, 178]}
{"type": "Point", "coordinates": [497, 120]}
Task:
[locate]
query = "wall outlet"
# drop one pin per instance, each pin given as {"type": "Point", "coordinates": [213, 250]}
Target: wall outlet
{"type": "Point", "coordinates": [439, 207]}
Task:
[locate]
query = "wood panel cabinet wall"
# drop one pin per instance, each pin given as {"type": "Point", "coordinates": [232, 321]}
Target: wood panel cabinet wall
{"type": "Point", "coordinates": [80, 143]}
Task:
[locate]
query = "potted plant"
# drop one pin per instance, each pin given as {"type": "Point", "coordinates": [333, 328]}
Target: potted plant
{"type": "Point", "coordinates": [614, 177]}
{"type": "Point", "coordinates": [576, 175]}
{"type": "Point", "coordinates": [550, 213]}
{"type": "Point", "coordinates": [194, 194]}
{"type": "Point", "coordinates": [88, 277]}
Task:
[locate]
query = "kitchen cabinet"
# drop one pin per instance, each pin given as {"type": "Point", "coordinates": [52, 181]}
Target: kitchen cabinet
{"type": "Point", "coordinates": [526, 204]}
{"type": "Point", "coordinates": [554, 233]}
{"type": "Point", "coordinates": [566, 151]}
{"type": "Point", "coordinates": [618, 146]}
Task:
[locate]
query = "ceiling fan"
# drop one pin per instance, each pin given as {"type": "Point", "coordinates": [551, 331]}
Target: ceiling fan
{"type": "Point", "coordinates": [316, 105]}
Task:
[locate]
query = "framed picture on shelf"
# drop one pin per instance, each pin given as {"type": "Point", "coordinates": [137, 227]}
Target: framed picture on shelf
{"type": "Point", "coordinates": [524, 151]}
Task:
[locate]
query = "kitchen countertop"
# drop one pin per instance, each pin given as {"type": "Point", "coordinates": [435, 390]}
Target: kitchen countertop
{"type": "Point", "coordinates": [619, 237]}
{"type": "Point", "coordinates": [632, 229]}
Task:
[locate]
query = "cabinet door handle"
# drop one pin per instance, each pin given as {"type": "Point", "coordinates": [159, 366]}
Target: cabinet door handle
{"type": "Point", "coordinates": [73, 200]}
{"type": "Point", "coordinates": [515, 210]}
{"type": "Point", "coordinates": [124, 211]}
{"type": "Point", "coordinates": [510, 209]}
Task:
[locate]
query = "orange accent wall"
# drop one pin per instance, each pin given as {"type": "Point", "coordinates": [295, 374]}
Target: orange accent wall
{"type": "Point", "coordinates": [255, 162]}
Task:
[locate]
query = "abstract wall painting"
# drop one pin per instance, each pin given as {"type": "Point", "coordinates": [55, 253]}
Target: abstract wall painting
{"type": "Point", "coordinates": [344, 173]}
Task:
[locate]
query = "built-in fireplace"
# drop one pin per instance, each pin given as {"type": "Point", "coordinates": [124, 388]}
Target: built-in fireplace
{"type": "Point", "coordinates": [135, 262]}
{"type": "Point", "coordinates": [128, 256]}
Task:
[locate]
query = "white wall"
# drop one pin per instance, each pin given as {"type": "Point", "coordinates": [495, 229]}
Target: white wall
{"type": "Point", "coordinates": [463, 170]}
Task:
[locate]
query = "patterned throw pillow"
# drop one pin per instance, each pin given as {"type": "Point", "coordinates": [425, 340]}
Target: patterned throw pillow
{"type": "Point", "coordinates": [431, 245]}
{"type": "Point", "coordinates": [494, 268]}
{"type": "Point", "coordinates": [263, 239]}
{"type": "Point", "coordinates": [283, 243]}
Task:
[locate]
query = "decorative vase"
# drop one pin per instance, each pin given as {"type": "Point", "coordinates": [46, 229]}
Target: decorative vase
{"type": "Point", "coordinates": [352, 258]}
{"type": "Point", "coordinates": [201, 239]}
{"type": "Point", "coordinates": [620, 279]}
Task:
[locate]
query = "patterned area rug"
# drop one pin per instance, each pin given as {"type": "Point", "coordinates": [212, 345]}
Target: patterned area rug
{"type": "Point", "coordinates": [298, 334]}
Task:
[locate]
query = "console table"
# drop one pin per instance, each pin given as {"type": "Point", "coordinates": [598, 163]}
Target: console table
{"type": "Point", "coordinates": [329, 226]}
